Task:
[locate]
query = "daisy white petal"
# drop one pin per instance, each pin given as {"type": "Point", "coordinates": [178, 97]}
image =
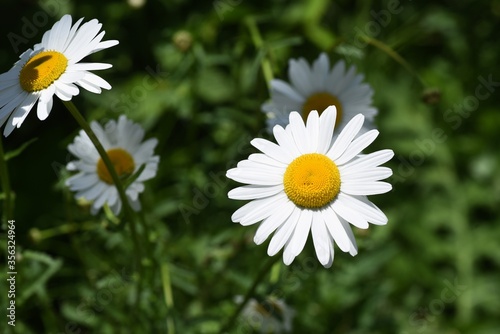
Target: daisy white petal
{"type": "Point", "coordinates": [321, 240]}
{"type": "Point", "coordinates": [254, 192]}
{"type": "Point", "coordinates": [346, 136]}
{"type": "Point", "coordinates": [282, 235]}
{"type": "Point", "coordinates": [270, 224]}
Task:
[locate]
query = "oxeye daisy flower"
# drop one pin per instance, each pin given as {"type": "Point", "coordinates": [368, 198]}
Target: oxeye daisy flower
{"type": "Point", "coordinates": [316, 88]}
{"type": "Point", "coordinates": [123, 142]}
{"type": "Point", "coordinates": [305, 183]}
{"type": "Point", "coordinates": [52, 67]}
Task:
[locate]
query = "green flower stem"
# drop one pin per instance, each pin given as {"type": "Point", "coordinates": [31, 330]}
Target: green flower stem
{"type": "Point", "coordinates": [260, 276]}
{"type": "Point", "coordinates": [116, 180]}
{"type": "Point", "coordinates": [169, 299]}
{"type": "Point", "coordinates": [267, 69]}
{"type": "Point", "coordinates": [40, 235]}
{"type": "Point", "coordinates": [5, 181]}
{"type": "Point", "coordinates": [394, 55]}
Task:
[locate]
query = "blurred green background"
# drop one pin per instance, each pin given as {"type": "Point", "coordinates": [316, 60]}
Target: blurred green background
{"type": "Point", "coordinates": [190, 73]}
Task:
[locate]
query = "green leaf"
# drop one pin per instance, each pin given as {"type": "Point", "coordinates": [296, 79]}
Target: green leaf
{"type": "Point", "coordinates": [12, 154]}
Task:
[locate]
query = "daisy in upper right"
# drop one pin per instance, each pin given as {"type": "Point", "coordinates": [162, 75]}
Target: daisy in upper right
{"type": "Point", "coordinates": [315, 88]}
{"type": "Point", "coordinates": [307, 183]}
{"type": "Point", "coordinates": [52, 67]}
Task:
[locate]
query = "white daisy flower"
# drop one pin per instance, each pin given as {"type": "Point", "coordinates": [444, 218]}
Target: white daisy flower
{"type": "Point", "coordinates": [52, 67]}
{"type": "Point", "coordinates": [272, 315]}
{"type": "Point", "coordinates": [122, 141]}
{"type": "Point", "coordinates": [317, 88]}
{"type": "Point", "coordinates": [305, 183]}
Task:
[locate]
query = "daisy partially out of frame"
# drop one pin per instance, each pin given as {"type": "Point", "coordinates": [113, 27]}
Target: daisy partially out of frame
{"type": "Point", "coordinates": [315, 88]}
{"type": "Point", "coordinates": [123, 142]}
{"type": "Point", "coordinates": [307, 183]}
{"type": "Point", "coordinates": [52, 67]}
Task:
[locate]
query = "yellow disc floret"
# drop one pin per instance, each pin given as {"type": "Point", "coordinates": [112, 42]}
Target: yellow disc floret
{"type": "Point", "coordinates": [122, 161]}
{"type": "Point", "coordinates": [42, 70]}
{"type": "Point", "coordinates": [312, 180]}
{"type": "Point", "coordinates": [321, 101]}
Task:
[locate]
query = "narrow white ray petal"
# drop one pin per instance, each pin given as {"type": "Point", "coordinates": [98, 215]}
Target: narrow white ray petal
{"type": "Point", "coordinates": [254, 192]}
{"type": "Point", "coordinates": [298, 131]}
{"type": "Point", "coordinates": [288, 256]}
{"type": "Point", "coordinates": [338, 233]}
{"type": "Point", "coordinates": [365, 188]}
{"type": "Point", "coordinates": [261, 158]}
{"type": "Point", "coordinates": [89, 66]}
{"type": "Point", "coordinates": [104, 45]}
{"type": "Point", "coordinates": [82, 181]}
{"type": "Point", "coordinates": [285, 141]}
{"type": "Point", "coordinates": [353, 246]}
{"type": "Point", "coordinates": [299, 237]}
{"type": "Point", "coordinates": [21, 112]}
{"type": "Point", "coordinates": [282, 87]}
{"type": "Point", "coordinates": [312, 130]}
{"type": "Point", "coordinates": [253, 166]}
{"type": "Point", "coordinates": [368, 175]}
{"type": "Point", "coordinates": [326, 126]}
{"type": "Point", "coordinates": [300, 76]}
{"type": "Point", "coordinates": [71, 35]}
{"type": "Point", "coordinates": [67, 88]}
{"type": "Point", "coordinates": [255, 178]}
{"type": "Point", "coordinates": [357, 145]}
{"type": "Point", "coordinates": [320, 69]}
{"type": "Point", "coordinates": [7, 94]}
{"type": "Point", "coordinates": [371, 214]}
{"type": "Point", "coordinates": [62, 94]}
{"type": "Point", "coordinates": [284, 232]}
{"type": "Point", "coordinates": [103, 197]}
{"type": "Point", "coordinates": [15, 101]}
{"type": "Point", "coordinates": [89, 86]}
{"type": "Point", "coordinates": [93, 192]}
{"type": "Point", "coordinates": [58, 33]}
{"type": "Point", "coordinates": [349, 214]}
{"type": "Point", "coordinates": [270, 224]}
{"type": "Point", "coordinates": [265, 209]}
{"type": "Point", "coordinates": [251, 207]}
{"type": "Point", "coordinates": [320, 239]}
{"type": "Point", "coordinates": [336, 76]}
{"type": "Point", "coordinates": [82, 37]}
{"type": "Point", "coordinates": [367, 161]}
{"type": "Point", "coordinates": [96, 80]}
{"type": "Point", "coordinates": [345, 137]}
{"type": "Point", "coordinates": [331, 254]}
{"type": "Point", "coordinates": [272, 150]}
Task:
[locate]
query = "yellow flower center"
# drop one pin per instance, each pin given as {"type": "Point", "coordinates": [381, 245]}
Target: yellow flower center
{"type": "Point", "coordinates": [312, 180]}
{"type": "Point", "coordinates": [42, 70]}
{"type": "Point", "coordinates": [321, 101]}
{"type": "Point", "coordinates": [122, 161]}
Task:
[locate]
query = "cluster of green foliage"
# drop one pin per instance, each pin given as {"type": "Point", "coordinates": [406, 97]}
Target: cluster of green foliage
{"type": "Point", "coordinates": [191, 74]}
